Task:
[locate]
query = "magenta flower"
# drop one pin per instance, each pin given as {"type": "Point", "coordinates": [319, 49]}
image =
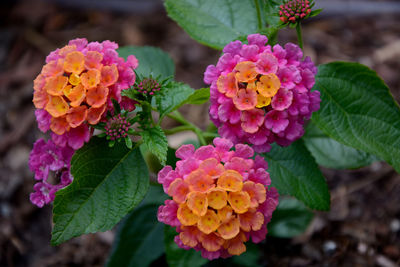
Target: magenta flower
{"type": "Point", "coordinates": [252, 120]}
{"type": "Point", "coordinates": [282, 100]}
{"type": "Point", "coordinates": [43, 159]}
{"type": "Point", "coordinates": [261, 94]}
{"type": "Point", "coordinates": [276, 121]}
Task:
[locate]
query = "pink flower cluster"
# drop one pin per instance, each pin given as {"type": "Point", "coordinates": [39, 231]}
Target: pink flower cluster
{"type": "Point", "coordinates": [220, 199]}
{"type": "Point", "coordinates": [148, 86]}
{"type": "Point", "coordinates": [49, 161]}
{"type": "Point", "coordinates": [294, 10]}
{"type": "Point", "coordinates": [117, 127]}
{"type": "Point", "coordinates": [108, 56]}
{"type": "Point", "coordinates": [261, 94]}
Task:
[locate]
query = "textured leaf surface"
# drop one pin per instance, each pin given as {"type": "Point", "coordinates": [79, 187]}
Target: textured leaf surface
{"type": "Point", "coordinates": [199, 96]}
{"type": "Point", "coordinates": [293, 171]}
{"type": "Point", "coordinates": [291, 218]}
{"type": "Point", "coordinates": [139, 240]}
{"type": "Point", "coordinates": [152, 60]}
{"type": "Point", "coordinates": [173, 96]}
{"type": "Point", "coordinates": [358, 110]}
{"type": "Point", "coordinates": [214, 23]}
{"type": "Point", "coordinates": [332, 154]}
{"type": "Point", "coordinates": [156, 142]}
{"type": "Point", "coordinates": [177, 257]}
{"type": "Point", "coordinates": [108, 183]}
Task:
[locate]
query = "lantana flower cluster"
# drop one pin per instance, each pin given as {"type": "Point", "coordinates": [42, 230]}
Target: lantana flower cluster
{"type": "Point", "coordinates": [75, 87]}
{"type": "Point", "coordinates": [72, 92]}
{"type": "Point", "coordinates": [220, 198]}
{"type": "Point", "coordinates": [261, 94]}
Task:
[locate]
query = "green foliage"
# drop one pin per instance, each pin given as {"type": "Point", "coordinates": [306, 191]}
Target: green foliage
{"type": "Point", "coordinates": [177, 257]}
{"type": "Point", "coordinates": [199, 96]}
{"type": "Point", "coordinates": [358, 110]}
{"type": "Point", "coordinates": [155, 195]}
{"type": "Point", "coordinates": [152, 61]}
{"type": "Point", "coordinates": [249, 258]}
{"type": "Point", "coordinates": [332, 154]}
{"type": "Point", "coordinates": [214, 23]}
{"type": "Point", "coordinates": [172, 97]}
{"type": "Point", "coordinates": [139, 240]}
{"type": "Point", "coordinates": [291, 218]}
{"type": "Point", "coordinates": [156, 142]}
{"type": "Point", "coordinates": [271, 11]}
{"type": "Point", "coordinates": [315, 12]}
{"type": "Point", "coordinates": [108, 183]}
{"type": "Point", "coordinates": [294, 172]}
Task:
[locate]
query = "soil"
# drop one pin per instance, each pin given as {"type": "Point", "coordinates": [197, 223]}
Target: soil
{"type": "Point", "coordinates": [363, 226]}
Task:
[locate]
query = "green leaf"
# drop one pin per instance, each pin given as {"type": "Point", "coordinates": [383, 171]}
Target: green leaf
{"type": "Point", "coordinates": [315, 12]}
{"type": "Point", "coordinates": [332, 154]}
{"type": "Point", "coordinates": [152, 60]}
{"type": "Point", "coordinates": [294, 172]}
{"type": "Point", "coordinates": [171, 158]}
{"type": "Point", "coordinates": [155, 196]}
{"type": "Point", "coordinates": [199, 96]}
{"type": "Point", "coordinates": [358, 110]}
{"type": "Point", "coordinates": [139, 240]}
{"type": "Point", "coordinates": [128, 142]}
{"type": "Point", "coordinates": [178, 257]}
{"type": "Point", "coordinates": [271, 9]}
{"type": "Point", "coordinates": [291, 218]}
{"type": "Point", "coordinates": [172, 97]}
{"type": "Point", "coordinates": [214, 23]}
{"type": "Point", "coordinates": [117, 107]}
{"type": "Point", "coordinates": [250, 258]}
{"type": "Point", "coordinates": [108, 183]}
{"type": "Point", "coordinates": [156, 142]}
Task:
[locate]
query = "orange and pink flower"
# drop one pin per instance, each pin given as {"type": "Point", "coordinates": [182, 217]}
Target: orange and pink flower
{"type": "Point", "coordinates": [76, 86]}
{"type": "Point", "coordinates": [220, 198]}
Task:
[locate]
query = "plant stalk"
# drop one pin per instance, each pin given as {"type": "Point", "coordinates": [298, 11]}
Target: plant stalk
{"type": "Point", "coordinates": [259, 20]}
{"type": "Point", "coordinates": [299, 35]}
{"type": "Point", "coordinates": [189, 126]}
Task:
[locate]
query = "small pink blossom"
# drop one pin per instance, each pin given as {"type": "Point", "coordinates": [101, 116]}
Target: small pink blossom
{"type": "Point", "coordinates": [228, 112]}
{"type": "Point", "coordinates": [78, 136]}
{"type": "Point", "coordinates": [289, 77]}
{"type": "Point", "coordinates": [43, 119]}
{"type": "Point", "coordinates": [282, 100]}
{"type": "Point", "coordinates": [267, 63]}
{"type": "Point", "coordinates": [276, 121]}
{"type": "Point", "coordinates": [252, 120]}
{"type": "Point", "coordinates": [44, 194]}
{"type": "Point", "coordinates": [245, 99]}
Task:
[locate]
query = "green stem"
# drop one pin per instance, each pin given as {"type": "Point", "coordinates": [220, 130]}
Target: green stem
{"type": "Point", "coordinates": [178, 129]}
{"type": "Point", "coordinates": [188, 128]}
{"type": "Point", "coordinates": [210, 134]}
{"type": "Point", "coordinates": [179, 118]}
{"type": "Point", "coordinates": [258, 14]}
{"type": "Point", "coordinates": [299, 35]}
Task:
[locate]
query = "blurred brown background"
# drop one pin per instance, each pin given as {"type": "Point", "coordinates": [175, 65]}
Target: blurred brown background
{"type": "Point", "coordinates": [363, 226]}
